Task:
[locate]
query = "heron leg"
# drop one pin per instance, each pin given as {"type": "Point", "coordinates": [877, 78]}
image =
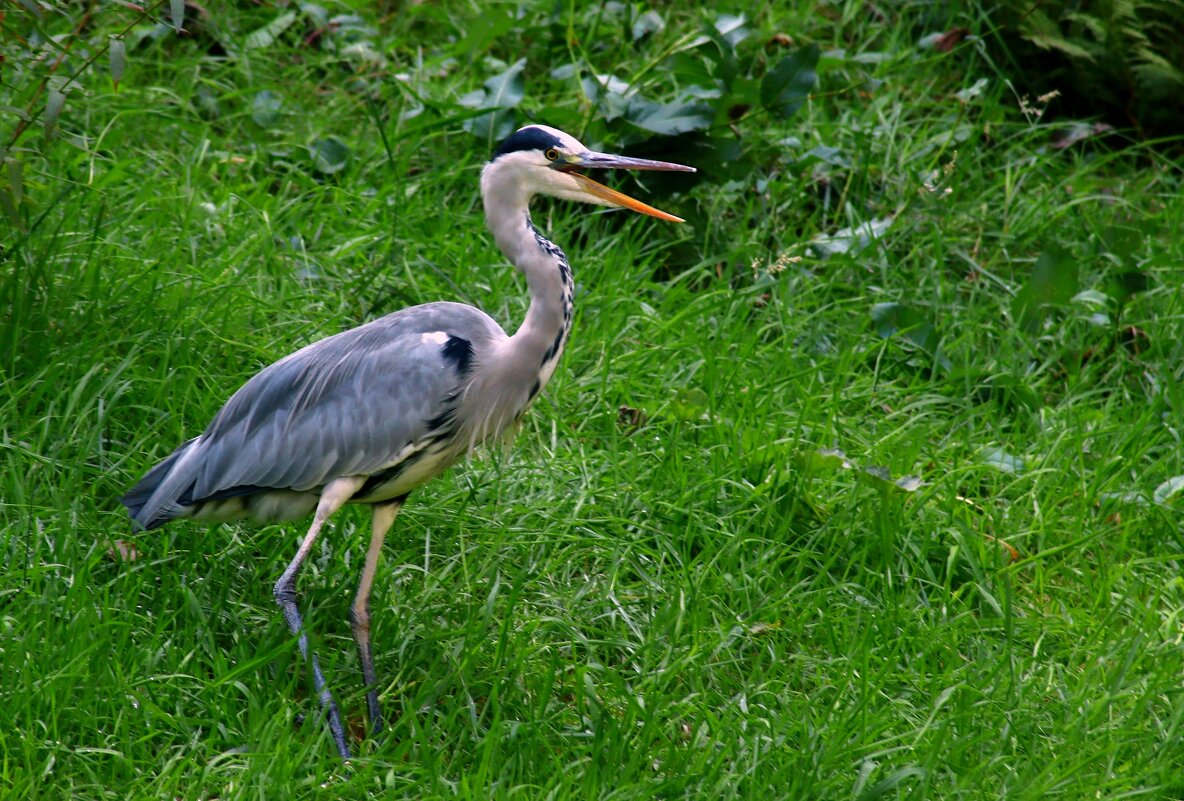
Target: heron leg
{"type": "Point", "coordinates": [333, 497]}
{"type": "Point", "coordinates": [359, 613]}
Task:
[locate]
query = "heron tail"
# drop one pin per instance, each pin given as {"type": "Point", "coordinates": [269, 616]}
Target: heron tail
{"type": "Point", "coordinates": [158, 497]}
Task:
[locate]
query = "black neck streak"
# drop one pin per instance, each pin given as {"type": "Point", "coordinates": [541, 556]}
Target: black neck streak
{"type": "Point", "coordinates": [567, 291]}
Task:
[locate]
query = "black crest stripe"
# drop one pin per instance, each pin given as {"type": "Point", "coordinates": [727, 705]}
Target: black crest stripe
{"type": "Point", "coordinates": [529, 138]}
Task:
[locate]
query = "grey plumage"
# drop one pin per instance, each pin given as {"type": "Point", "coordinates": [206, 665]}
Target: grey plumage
{"type": "Point", "coordinates": [357, 403]}
{"type": "Point", "coordinates": [370, 414]}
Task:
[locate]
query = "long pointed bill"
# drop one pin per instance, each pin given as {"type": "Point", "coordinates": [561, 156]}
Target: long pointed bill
{"type": "Point", "coordinates": [612, 196]}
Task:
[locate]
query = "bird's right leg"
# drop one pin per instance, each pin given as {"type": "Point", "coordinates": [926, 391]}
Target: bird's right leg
{"type": "Point", "coordinates": [333, 497]}
{"type": "Point", "coordinates": [384, 516]}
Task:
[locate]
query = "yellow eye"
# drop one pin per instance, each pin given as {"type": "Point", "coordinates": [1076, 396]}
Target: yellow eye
{"type": "Point", "coordinates": [551, 154]}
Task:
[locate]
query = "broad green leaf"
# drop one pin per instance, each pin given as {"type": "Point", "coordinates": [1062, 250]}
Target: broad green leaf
{"type": "Point", "coordinates": [830, 459]}
{"type": "Point", "coordinates": [1079, 131]}
{"type": "Point", "coordinates": [787, 86]}
{"type": "Point", "coordinates": [825, 459]}
{"type": "Point", "coordinates": [265, 108]}
{"type": "Point", "coordinates": [731, 27]}
{"type": "Point", "coordinates": [363, 52]}
{"type": "Point", "coordinates": [473, 99]}
{"type": "Point", "coordinates": [1168, 489]}
{"type": "Point", "coordinates": [909, 483]}
{"type": "Point", "coordinates": [266, 36]}
{"type": "Point", "coordinates": [882, 477]}
{"type": "Point", "coordinates": [598, 85]}
{"type": "Point", "coordinates": [1130, 496]}
{"type": "Point", "coordinates": [117, 55]}
{"type": "Point", "coordinates": [689, 405]}
{"type": "Point", "coordinates": [54, 103]}
{"type": "Point", "coordinates": [494, 25]}
{"type": "Point", "coordinates": [611, 95]}
{"type": "Point", "coordinates": [1011, 391]}
{"type": "Point", "coordinates": [508, 89]}
{"type": "Point", "coordinates": [207, 102]}
{"type": "Point", "coordinates": [703, 92]}
{"type": "Point", "coordinates": [972, 92]}
{"type": "Point", "coordinates": [1001, 460]}
{"type": "Point", "coordinates": [1122, 286]}
{"type": "Point", "coordinates": [726, 32]}
{"type": "Point", "coordinates": [1092, 297]}
{"type": "Point", "coordinates": [647, 23]}
{"type": "Point", "coordinates": [828, 154]}
{"type": "Point", "coordinates": [744, 92]}
{"type": "Point", "coordinates": [891, 319]}
{"type": "Point", "coordinates": [670, 119]}
{"type": "Point", "coordinates": [1052, 42]}
{"type": "Point", "coordinates": [946, 138]}
{"type": "Point", "coordinates": [16, 185]}
{"type": "Point", "coordinates": [871, 57]}
{"type": "Point", "coordinates": [613, 106]}
{"type": "Point", "coordinates": [889, 784]}
{"type": "Point", "coordinates": [330, 155]}
{"type": "Point", "coordinates": [494, 126]}
{"type": "Point", "coordinates": [723, 158]}
{"type": "Point", "coordinates": [1122, 241]}
{"type": "Point", "coordinates": [502, 93]}
{"type": "Point", "coordinates": [1053, 282]}
{"type": "Point", "coordinates": [724, 56]}
{"type": "Point", "coordinates": [853, 239]}
{"type": "Point", "coordinates": [690, 70]}
{"type": "Point", "coordinates": [350, 25]}
{"type": "Point", "coordinates": [760, 448]}
{"type": "Point", "coordinates": [10, 210]}
{"type": "Point", "coordinates": [316, 14]}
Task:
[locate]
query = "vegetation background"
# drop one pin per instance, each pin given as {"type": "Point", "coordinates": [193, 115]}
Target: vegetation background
{"type": "Point", "coordinates": [866, 482]}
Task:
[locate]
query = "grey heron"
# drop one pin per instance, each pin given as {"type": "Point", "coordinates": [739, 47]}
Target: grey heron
{"type": "Point", "coordinates": [369, 414]}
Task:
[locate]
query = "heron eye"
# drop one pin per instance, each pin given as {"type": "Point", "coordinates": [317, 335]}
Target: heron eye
{"type": "Point", "coordinates": [551, 154]}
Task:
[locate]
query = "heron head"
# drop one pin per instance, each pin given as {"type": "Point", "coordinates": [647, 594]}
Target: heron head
{"type": "Point", "coordinates": [543, 160]}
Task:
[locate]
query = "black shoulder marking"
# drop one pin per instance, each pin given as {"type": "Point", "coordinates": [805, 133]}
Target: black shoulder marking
{"type": "Point", "coordinates": [459, 351]}
{"type": "Point", "coordinates": [529, 138]}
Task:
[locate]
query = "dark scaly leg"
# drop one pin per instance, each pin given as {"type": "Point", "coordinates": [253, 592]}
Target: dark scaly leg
{"type": "Point", "coordinates": [384, 517]}
{"type": "Point", "coordinates": [335, 494]}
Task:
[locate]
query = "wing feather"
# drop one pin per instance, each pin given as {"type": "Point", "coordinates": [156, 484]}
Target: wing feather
{"type": "Point", "coordinates": [346, 405]}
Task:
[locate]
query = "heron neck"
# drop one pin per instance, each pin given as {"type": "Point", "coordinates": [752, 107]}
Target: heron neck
{"type": "Point", "coordinates": [541, 337]}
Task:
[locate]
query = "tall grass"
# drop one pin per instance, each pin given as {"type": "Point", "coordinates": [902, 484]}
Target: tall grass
{"type": "Point", "coordinates": [674, 586]}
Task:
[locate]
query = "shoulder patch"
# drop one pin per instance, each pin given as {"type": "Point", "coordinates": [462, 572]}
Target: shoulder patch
{"type": "Point", "coordinates": [458, 351]}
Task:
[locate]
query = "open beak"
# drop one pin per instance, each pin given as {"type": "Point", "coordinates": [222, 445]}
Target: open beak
{"type": "Point", "coordinates": [598, 190]}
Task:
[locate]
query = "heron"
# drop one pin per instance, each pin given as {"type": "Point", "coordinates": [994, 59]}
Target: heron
{"type": "Point", "coordinates": [368, 415]}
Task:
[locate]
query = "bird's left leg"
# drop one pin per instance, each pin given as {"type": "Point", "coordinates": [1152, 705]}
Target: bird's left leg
{"type": "Point", "coordinates": [333, 497]}
{"type": "Point", "coordinates": [359, 613]}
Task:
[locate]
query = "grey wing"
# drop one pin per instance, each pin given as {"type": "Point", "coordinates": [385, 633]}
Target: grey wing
{"type": "Point", "coordinates": [346, 405]}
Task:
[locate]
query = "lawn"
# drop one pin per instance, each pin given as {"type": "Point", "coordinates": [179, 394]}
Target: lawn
{"type": "Point", "coordinates": [865, 482]}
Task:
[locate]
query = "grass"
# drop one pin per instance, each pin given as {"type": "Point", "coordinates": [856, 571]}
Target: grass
{"type": "Point", "coordinates": [670, 588]}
